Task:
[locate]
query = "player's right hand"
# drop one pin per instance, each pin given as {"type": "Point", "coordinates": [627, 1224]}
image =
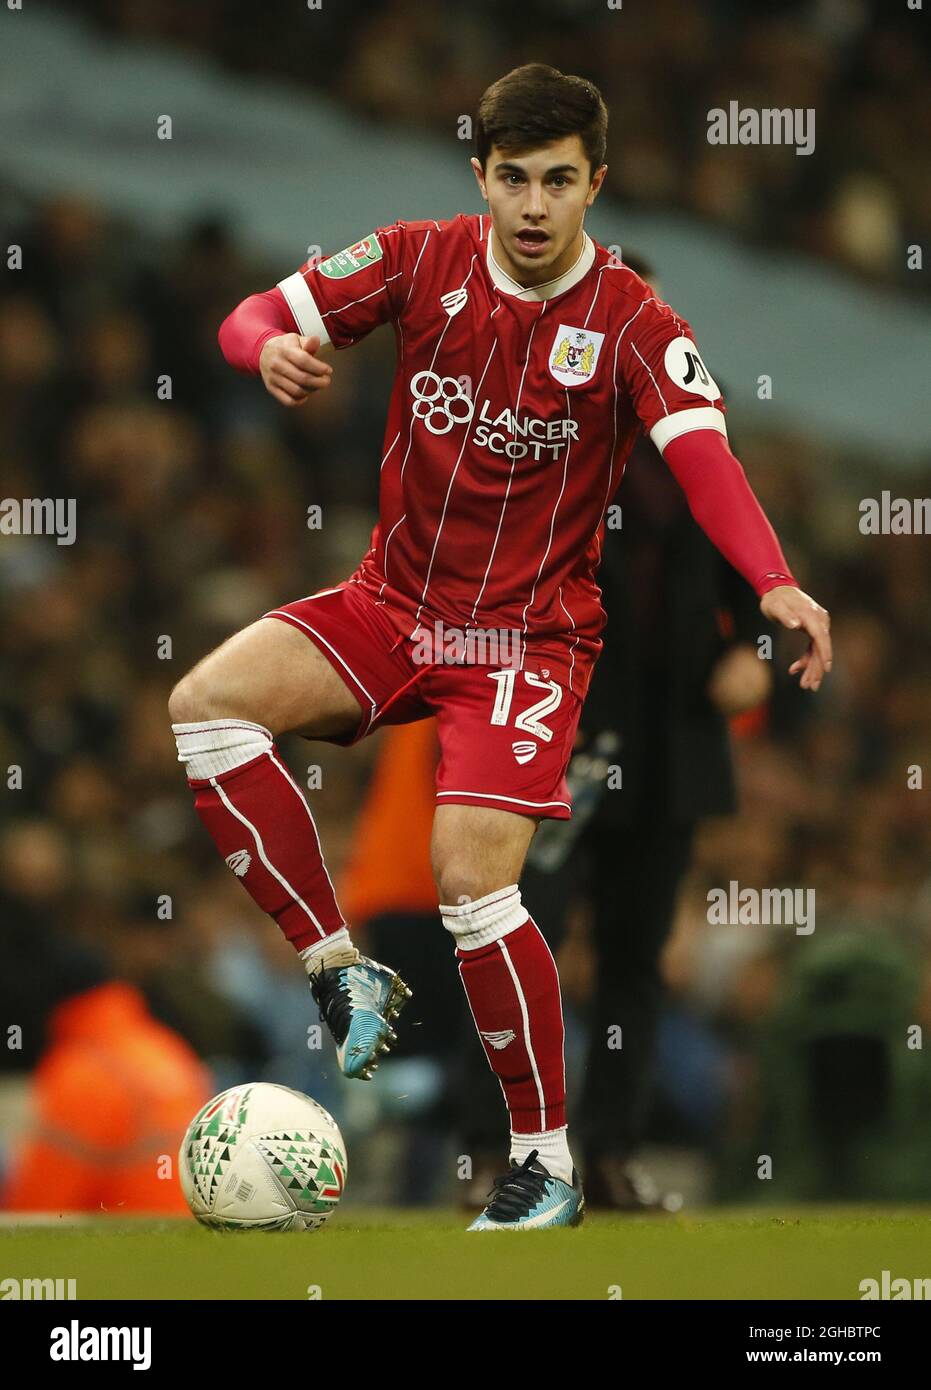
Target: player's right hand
{"type": "Point", "coordinates": [291, 370]}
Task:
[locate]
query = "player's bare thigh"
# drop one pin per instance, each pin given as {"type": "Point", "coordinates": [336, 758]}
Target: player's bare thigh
{"type": "Point", "coordinates": [476, 850]}
{"type": "Point", "coordinates": [270, 674]}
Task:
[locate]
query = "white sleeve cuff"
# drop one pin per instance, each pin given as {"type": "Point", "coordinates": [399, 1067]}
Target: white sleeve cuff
{"type": "Point", "coordinates": [304, 307]}
{"type": "Point", "coordinates": [684, 421]}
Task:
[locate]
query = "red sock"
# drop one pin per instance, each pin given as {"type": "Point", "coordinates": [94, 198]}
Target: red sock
{"type": "Point", "coordinates": [513, 991]}
{"type": "Point", "coordinates": [258, 819]}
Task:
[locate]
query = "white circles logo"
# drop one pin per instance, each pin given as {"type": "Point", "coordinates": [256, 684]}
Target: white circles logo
{"type": "Point", "coordinates": [440, 401]}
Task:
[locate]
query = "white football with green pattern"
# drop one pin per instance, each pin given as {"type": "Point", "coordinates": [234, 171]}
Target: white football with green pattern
{"type": "Point", "coordinates": [263, 1157]}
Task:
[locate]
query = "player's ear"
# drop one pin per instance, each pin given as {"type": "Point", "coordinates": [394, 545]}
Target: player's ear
{"type": "Point", "coordinates": [598, 179]}
{"type": "Point", "coordinates": [479, 175]}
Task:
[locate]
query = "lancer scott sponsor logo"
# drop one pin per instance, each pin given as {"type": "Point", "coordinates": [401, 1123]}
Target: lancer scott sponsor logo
{"type": "Point", "coordinates": [518, 437]}
{"type": "Point", "coordinates": [442, 403]}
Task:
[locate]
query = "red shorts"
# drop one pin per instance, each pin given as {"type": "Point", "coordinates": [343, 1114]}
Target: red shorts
{"type": "Point", "coordinates": [505, 735]}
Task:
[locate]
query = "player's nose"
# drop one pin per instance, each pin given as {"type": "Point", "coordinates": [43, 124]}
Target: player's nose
{"type": "Point", "coordinates": [535, 207]}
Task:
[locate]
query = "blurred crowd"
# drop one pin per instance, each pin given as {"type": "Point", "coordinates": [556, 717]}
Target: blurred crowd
{"type": "Point", "coordinates": [192, 491]}
{"type": "Point", "coordinates": [860, 199]}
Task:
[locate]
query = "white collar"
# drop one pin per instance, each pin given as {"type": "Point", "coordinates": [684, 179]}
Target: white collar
{"type": "Point", "coordinates": [550, 288]}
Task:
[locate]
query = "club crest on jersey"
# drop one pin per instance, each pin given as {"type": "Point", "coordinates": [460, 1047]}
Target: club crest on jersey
{"type": "Point", "coordinates": [574, 356]}
{"type": "Point", "coordinates": [357, 257]}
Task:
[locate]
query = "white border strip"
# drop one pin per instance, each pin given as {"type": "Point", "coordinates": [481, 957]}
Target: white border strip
{"type": "Point", "coordinates": [491, 796]}
{"type": "Point", "coordinates": [304, 307]}
{"type": "Point", "coordinates": [684, 421]}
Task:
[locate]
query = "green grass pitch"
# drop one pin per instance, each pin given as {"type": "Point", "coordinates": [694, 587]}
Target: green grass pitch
{"type": "Point", "coordinates": [806, 1253]}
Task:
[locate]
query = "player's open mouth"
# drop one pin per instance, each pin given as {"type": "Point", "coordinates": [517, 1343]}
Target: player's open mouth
{"type": "Point", "coordinates": [532, 242]}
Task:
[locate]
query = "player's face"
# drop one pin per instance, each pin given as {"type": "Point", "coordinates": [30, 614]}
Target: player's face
{"type": "Point", "coordinates": [537, 202]}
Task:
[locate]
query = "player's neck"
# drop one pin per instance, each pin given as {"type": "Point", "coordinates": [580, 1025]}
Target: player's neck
{"type": "Point", "coordinates": [531, 278]}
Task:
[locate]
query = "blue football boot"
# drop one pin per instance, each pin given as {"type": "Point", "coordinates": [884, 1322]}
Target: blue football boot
{"type": "Point", "coordinates": [528, 1198]}
{"type": "Point", "coordinates": [358, 1001]}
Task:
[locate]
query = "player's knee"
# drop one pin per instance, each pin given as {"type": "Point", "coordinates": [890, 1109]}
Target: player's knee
{"type": "Point", "coordinates": [458, 882]}
{"type": "Point", "coordinates": [211, 690]}
{"type": "Point", "coordinates": [191, 699]}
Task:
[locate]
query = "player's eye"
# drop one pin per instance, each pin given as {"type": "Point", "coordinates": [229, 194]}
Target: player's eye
{"type": "Point", "coordinates": [559, 180]}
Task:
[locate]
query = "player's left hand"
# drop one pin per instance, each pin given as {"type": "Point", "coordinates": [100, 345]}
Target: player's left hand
{"type": "Point", "coordinates": [794, 609]}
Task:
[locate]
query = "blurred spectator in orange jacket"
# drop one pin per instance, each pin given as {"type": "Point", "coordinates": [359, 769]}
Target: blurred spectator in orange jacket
{"type": "Point", "coordinates": [112, 1094]}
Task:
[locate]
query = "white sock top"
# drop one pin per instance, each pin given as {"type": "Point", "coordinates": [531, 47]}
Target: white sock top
{"type": "Point", "coordinates": [209, 747]}
{"type": "Point", "coordinates": [483, 920]}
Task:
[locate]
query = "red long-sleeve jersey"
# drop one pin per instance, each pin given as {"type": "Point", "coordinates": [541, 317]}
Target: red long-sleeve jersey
{"type": "Point", "coordinates": [511, 417]}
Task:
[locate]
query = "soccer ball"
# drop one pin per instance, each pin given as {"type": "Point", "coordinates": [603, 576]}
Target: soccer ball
{"type": "Point", "coordinates": [262, 1158]}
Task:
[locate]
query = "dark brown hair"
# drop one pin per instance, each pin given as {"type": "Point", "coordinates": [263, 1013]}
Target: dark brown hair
{"type": "Point", "coordinates": [535, 105]}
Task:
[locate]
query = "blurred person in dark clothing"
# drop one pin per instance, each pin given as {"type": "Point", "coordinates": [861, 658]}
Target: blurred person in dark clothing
{"type": "Point", "coordinates": [680, 658]}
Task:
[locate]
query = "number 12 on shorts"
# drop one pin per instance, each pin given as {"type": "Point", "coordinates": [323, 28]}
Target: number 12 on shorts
{"type": "Point", "coordinates": [530, 719]}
